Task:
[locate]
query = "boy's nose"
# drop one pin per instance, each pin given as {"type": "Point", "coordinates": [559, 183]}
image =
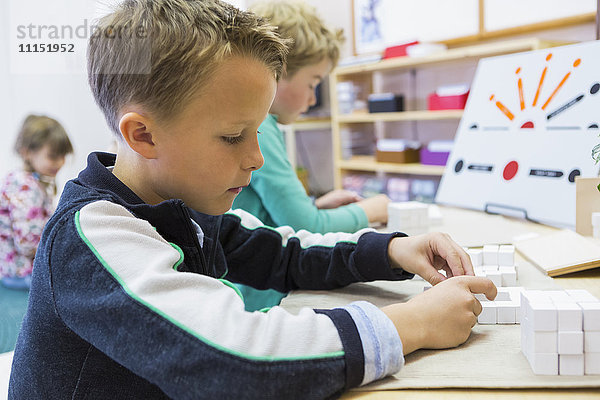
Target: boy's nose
{"type": "Point", "coordinates": [255, 158]}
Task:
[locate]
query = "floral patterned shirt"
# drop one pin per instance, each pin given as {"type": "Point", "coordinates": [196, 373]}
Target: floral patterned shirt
{"type": "Point", "coordinates": [25, 207]}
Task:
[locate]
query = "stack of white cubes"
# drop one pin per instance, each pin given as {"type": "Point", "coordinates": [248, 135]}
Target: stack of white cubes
{"type": "Point", "coordinates": [504, 309]}
{"type": "Point", "coordinates": [560, 332]}
{"type": "Point", "coordinates": [410, 217]}
{"type": "Point", "coordinates": [495, 262]}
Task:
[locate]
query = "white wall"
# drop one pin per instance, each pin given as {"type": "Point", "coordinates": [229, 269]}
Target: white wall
{"type": "Point", "coordinates": [63, 96]}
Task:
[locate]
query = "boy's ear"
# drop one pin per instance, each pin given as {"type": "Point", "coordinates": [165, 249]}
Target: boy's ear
{"type": "Point", "coordinates": [136, 131]}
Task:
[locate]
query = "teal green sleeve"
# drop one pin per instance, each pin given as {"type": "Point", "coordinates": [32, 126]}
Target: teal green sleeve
{"type": "Point", "coordinates": [276, 195]}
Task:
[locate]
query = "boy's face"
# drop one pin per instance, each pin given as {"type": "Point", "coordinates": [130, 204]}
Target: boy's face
{"type": "Point", "coordinates": [206, 155]}
{"type": "Point", "coordinates": [296, 94]}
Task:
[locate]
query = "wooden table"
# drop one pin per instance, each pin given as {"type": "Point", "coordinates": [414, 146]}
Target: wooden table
{"type": "Point", "coordinates": [470, 228]}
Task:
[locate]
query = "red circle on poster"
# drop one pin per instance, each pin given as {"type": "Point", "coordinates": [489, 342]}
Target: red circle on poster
{"type": "Point", "coordinates": [510, 170]}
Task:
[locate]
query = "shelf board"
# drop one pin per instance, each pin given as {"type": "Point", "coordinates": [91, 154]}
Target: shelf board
{"type": "Point", "coordinates": [460, 53]}
{"type": "Point", "coordinates": [308, 124]}
{"type": "Point", "coordinates": [364, 117]}
{"type": "Point", "coordinates": [368, 163]}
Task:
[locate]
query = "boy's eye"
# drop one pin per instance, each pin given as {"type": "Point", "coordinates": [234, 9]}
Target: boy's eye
{"type": "Point", "coordinates": [232, 139]}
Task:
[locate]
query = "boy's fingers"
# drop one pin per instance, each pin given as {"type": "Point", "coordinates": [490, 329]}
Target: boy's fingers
{"type": "Point", "coordinates": [479, 284]}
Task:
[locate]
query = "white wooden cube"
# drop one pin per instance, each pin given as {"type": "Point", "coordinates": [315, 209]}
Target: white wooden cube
{"type": "Point", "coordinates": [479, 271]}
{"type": "Point", "coordinates": [591, 316]}
{"type": "Point", "coordinates": [559, 296]}
{"type": "Point", "coordinates": [582, 296]}
{"type": "Point", "coordinates": [542, 316]}
{"type": "Point", "coordinates": [591, 341]}
{"type": "Point", "coordinates": [506, 255]}
{"type": "Point", "coordinates": [570, 317]}
{"type": "Point", "coordinates": [544, 363]}
{"type": "Point", "coordinates": [544, 342]}
{"type": "Point", "coordinates": [502, 295]}
{"type": "Point", "coordinates": [506, 312]}
{"type": "Point", "coordinates": [571, 364]}
{"type": "Point", "coordinates": [495, 277]}
{"type": "Point", "coordinates": [570, 342]}
{"type": "Point", "coordinates": [476, 256]}
{"type": "Point", "coordinates": [508, 275]}
{"type": "Point", "coordinates": [592, 363]}
{"type": "Point", "coordinates": [490, 254]}
{"type": "Point", "coordinates": [488, 313]}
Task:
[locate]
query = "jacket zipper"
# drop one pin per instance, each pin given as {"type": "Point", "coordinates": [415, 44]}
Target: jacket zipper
{"type": "Point", "coordinates": [192, 232]}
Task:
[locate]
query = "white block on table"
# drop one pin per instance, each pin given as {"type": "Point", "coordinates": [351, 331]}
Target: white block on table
{"type": "Point", "coordinates": [543, 316]}
{"type": "Point", "coordinates": [544, 363]}
{"type": "Point", "coordinates": [435, 215]}
{"type": "Point", "coordinates": [570, 342]}
{"type": "Point", "coordinates": [582, 296]}
{"type": "Point", "coordinates": [506, 255]}
{"type": "Point", "coordinates": [544, 342]}
{"type": "Point", "coordinates": [559, 296]}
{"type": "Point", "coordinates": [571, 364]}
{"type": "Point", "coordinates": [476, 256]}
{"type": "Point", "coordinates": [502, 295]}
{"type": "Point", "coordinates": [570, 317]}
{"type": "Point", "coordinates": [508, 275]}
{"type": "Point", "coordinates": [490, 254]}
{"type": "Point", "coordinates": [506, 312]}
{"type": "Point", "coordinates": [479, 272]}
{"type": "Point", "coordinates": [592, 363]}
{"type": "Point", "coordinates": [591, 316]}
{"type": "Point", "coordinates": [495, 277]}
{"type": "Point", "coordinates": [591, 341]}
{"type": "Point", "coordinates": [490, 268]}
{"type": "Point", "coordinates": [488, 313]}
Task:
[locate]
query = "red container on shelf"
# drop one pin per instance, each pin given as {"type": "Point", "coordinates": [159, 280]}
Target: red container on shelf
{"type": "Point", "coordinates": [397, 51]}
{"type": "Point", "coordinates": [454, 102]}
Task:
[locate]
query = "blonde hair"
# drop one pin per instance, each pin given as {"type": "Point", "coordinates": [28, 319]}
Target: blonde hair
{"type": "Point", "coordinates": [159, 53]}
{"type": "Point", "coordinates": [38, 131]}
{"type": "Point", "coordinates": [313, 40]}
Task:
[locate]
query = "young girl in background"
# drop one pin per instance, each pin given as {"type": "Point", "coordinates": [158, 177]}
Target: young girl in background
{"type": "Point", "coordinates": [26, 196]}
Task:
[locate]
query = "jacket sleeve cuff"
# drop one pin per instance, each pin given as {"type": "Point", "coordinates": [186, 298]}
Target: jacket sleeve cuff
{"type": "Point", "coordinates": [382, 347]}
{"type": "Point", "coordinates": [372, 261]}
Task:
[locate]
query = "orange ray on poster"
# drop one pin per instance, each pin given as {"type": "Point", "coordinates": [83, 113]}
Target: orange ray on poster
{"type": "Point", "coordinates": [539, 88]}
{"type": "Point", "coordinates": [576, 64]}
{"type": "Point", "coordinates": [503, 108]}
{"type": "Point", "coordinates": [520, 86]}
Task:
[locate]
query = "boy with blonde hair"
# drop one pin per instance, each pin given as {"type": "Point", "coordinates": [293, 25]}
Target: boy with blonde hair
{"type": "Point", "coordinates": [130, 297]}
{"type": "Point", "coordinates": [276, 195]}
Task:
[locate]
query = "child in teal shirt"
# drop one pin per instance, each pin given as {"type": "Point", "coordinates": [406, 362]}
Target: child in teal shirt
{"type": "Point", "coordinates": [275, 194]}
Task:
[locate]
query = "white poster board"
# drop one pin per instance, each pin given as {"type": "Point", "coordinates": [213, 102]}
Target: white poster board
{"type": "Point", "coordinates": [382, 23]}
{"type": "Point", "coordinates": [528, 129]}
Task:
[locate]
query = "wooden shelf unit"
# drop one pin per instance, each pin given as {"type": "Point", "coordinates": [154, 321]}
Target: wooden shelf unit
{"type": "Point", "coordinates": [364, 73]}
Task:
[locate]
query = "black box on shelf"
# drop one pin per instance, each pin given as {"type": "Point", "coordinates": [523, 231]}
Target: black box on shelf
{"type": "Point", "coordinates": [385, 102]}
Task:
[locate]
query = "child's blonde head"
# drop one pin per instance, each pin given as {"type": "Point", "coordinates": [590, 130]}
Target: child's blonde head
{"type": "Point", "coordinates": [38, 131]}
{"type": "Point", "coordinates": [158, 54]}
{"type": "Point", "coordinates": [313, 40]}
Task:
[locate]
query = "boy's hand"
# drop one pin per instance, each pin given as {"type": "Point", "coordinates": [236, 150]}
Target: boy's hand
{"type": "Point", "coordinates": [376, 208]}
{"type": "Point", "coordinates": [427, 254]}
{"type": "Point", "coordinates": [442, 316]}
{"type": "Point", "coordinates": [337, 198]}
